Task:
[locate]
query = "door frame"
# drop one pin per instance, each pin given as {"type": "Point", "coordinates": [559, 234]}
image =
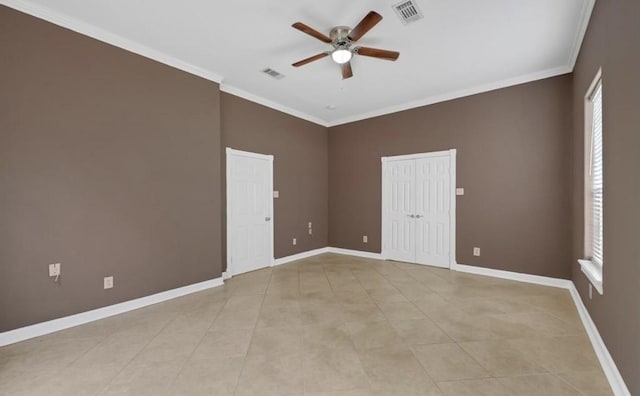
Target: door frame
{"type": "Point", "coordinates": [452, 208]}
{"type": "Point", "coordinates": [269, 158]}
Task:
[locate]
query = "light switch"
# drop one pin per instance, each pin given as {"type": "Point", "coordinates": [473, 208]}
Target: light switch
{"type": "Point", "coordinates": [476, 251]}
{"type": "Point", "coordinates": [54, 269]}
{"type": "Point", "coordinates": [459, 191]}
{"type": "Point", "coordinates": [276, 194]}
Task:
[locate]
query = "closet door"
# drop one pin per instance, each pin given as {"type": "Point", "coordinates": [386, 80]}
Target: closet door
{"type": "Point", "coordinates": [433, 206]}
{"type": "Point", "coordinates": [400, 236]}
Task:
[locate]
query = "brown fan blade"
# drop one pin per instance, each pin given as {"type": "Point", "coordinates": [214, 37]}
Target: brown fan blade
{"type": "Point", "coordinates": [310, 59]}
{"type": "Point", "coordinates": [377, 53]}
{"type": "Point", "coordinates": [346, 70]}
{"type": "Point", "coordinates": [366, 24]}
{"type": "Point", "coordinates": [311, 32]}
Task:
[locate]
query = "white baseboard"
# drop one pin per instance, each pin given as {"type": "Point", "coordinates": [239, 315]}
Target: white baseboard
{"type": "Point", "coordinates": [356, 253]}
{"type": "Point", "coordinates": [609, 367]}
{"type": "Point", "coordinates": [315, 252]}
{"type": "Point", "coordinates": [516, 276]}
{"type": "Point", "coordinates": [51, 326]}
{"type": "Point", "coordinates": [300, 256]}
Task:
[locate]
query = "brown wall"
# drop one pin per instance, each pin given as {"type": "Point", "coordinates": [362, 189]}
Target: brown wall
{"type": "Point", "coordinates": [613, 43]}
{"type": "Point", "coordinates": [513, 161]}
{"type": "Point", "coordinates": [300, 169]}
{"type": "Point", "coordinates": [109, 164]}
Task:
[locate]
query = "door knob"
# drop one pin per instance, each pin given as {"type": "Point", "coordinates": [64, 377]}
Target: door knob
{"type": "Point", "coordinates": [419, 216]}
{"type": "Point", "coordinates": [412, 216]}
{"type": "Point", "coordinates": [267, 219]}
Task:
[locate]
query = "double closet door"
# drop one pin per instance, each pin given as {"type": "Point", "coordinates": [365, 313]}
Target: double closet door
{"type": "Point", "coordinates": [418, 208]}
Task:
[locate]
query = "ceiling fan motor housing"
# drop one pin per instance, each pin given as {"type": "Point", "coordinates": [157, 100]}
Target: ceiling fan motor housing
{"type": "Point", "coordinates": [340, 37]}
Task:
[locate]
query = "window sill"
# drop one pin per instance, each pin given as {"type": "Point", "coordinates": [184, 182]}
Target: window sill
{"type": "Point", "coordinates": [593, 273]}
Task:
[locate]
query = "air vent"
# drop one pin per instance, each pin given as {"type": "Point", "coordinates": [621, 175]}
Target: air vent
{"type": "Point", "coordinates": [270, 72]}
{"type": "Point", "coordinates": [408, 11]}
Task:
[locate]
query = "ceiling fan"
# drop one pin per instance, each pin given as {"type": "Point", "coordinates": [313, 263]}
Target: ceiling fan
{"type": "Point", "coordinates": [341, 39]}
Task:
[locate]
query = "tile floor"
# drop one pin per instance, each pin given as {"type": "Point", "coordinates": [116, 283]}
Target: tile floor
{"type": "Point", "coordinates": [330, 325]}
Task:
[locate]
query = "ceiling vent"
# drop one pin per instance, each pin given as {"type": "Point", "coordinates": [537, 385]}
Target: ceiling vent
{"type": "Point", "coordinates": [408, 11]}
{"type": "Point", "coordinates": [270, 72]}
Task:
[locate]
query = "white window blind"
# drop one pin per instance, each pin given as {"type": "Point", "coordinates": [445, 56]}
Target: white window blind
{"type": "Point", "coordinates": [596, 173]}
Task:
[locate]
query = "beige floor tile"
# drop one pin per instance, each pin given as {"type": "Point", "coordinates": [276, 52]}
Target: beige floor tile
{"type": "Point", "coordinates": [321, 296]}
{"type": "Point", "coordinates": [353, 296]}
{"type": "Point", "coordinates": [321, 314]}
{"type": "Point", "coordinates": [447, 362]}
{"type": "Point", "coordinates": [333, 369]}
{"type": "Point", "coordinates": [500, 358]}
{"type": "Point", "coordinates": [327, 336]}
{"type": "Point", "coordinates": [271, 376]}
{"type": "Point", "coordinates": [223, 343]}
{"type": "Point", "coordinates": [476, 387]}
{"type": "Point", "coordinates": [590, 383]}
{"type": "Point", "coordinates": [539, 384]}
{"type": "Point", "coordinates": [168, 347]}
{"type": "Point", "coordinates": [118, 349]}
{"type": "Point", "coordinates": [461, 326]}
{"type": "Point", "coordinates": [197, 321]}
{"type": "Point", "coordinates": [210, 377]}
{"type": "Point", "coordinates": [413, 291]}
{"type": "Point", "coordinates": [240, 312]}
{"type": "Point", "coordinates": [26, 383]}
{"type": "Point", "coordinates": [282, 299]}
{"type": "Point", "coordinates": [401, 311]}
{"type": "Point", "coordinates": [351, 392]}
{"type": "Point", "coordinates": [431, 303]}
{"type": "Point", "coordinates": [276, 341]}
{"type": "Point", "coordinates": [276, 315]}
{"type": "Point", "coordinates": [395, 371]}
{"type": "Point", "coordinates": [367, 312]}
{"type": "Point", "coordinates": [559, 354]}
{"type": "Point", "coordinates": [142, 380]}
{"type": "Point", "coordinates": [77, 379]}
{"type": "Point", "coordinates": [386, 295]}
{"type": "Point", "coordinates": [531, 324]}
{"type": "Point", "coordinates": [367, 335]}
{"type": "Point", "coordinates": [491, 306]}
{"type": "Point", "coordinates": [420, 332]}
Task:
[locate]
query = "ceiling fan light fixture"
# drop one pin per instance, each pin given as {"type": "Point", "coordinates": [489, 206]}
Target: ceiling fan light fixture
{"type": "Point", "coordinates": [341, 56]}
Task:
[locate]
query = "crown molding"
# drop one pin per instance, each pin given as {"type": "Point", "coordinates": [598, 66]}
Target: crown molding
{"type": "Point", "coordinates": [587, 11]}
{"type": "Point", "coordinates": [230, 89]}
{"type": "Point", "coordinates": [97, 33]}
{"type": "Point", "coordinates": [454, 95]}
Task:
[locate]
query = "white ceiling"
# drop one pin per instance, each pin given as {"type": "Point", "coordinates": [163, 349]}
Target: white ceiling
{"type": "Point", "coordinates": [461, 47]}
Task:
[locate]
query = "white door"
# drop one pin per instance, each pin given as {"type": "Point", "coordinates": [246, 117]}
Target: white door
{"type": "Point", "coordinates": [433, 198]}
{"type": "Point", "coordinates": [400, 193]}
{"type": "Point", "coordinates": [249, 211]}
{"type": "Point", "coordinates": [418, 208]}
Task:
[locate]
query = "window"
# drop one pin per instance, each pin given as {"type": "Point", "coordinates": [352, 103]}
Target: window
{"type": "Point", "coordinates": [592, 265]}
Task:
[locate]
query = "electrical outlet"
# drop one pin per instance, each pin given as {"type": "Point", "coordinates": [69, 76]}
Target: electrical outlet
{"type": "Point", "coordinates": [310, 224]}
{"type": "Point", "coordinates": [108, 282]}
{"type": "Point", "coordinates": [295, 241]}
{"type": "Point", "coordinates": [54, 269]}
{"type": "Point", "coordinates": [476, 251]}
{"type": "Point", "coordinates": [365, 239]}
{"type": "Point", "coordinates": [310, 231]}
